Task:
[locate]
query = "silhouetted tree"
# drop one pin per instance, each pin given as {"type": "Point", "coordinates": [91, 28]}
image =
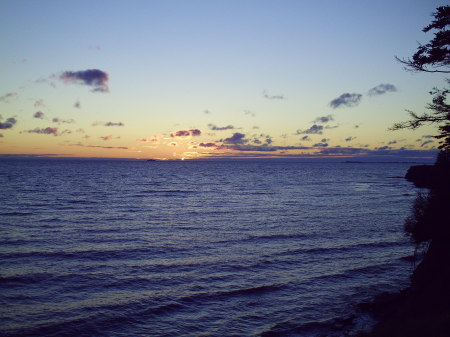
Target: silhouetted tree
{"type": "Point", "coordinates": [433, 57]}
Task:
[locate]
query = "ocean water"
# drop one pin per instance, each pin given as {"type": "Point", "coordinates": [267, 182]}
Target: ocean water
{"type": "Point", "coordinates": [244, 248]}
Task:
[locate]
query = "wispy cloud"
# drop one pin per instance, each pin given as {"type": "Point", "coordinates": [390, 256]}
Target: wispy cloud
{"type": "Point", "coordinates": [346, 100]}
{"type": "Point", "coordinates": [8, 96]}
{"type": "Point", "coordinates": [77, 104]}
{"type": "Point", "coordinates": [382, 89]}
{"type": "Point", "coordinates": [220, 128]}
{"type": "Point", "coordinates": [268, 96]}
{"type": "Point", "coordinates": [101, 147]}
{"type": "Point", "coordinates": [108, 124]}
{"type": "Point", "coordinates": [39, 103]}
{"type": "Point", "coordinates": [61, 121]}
{"type": "Point", "coordinates": [45, 131]}
{"type": "Point", "coordinates": [92, 77]}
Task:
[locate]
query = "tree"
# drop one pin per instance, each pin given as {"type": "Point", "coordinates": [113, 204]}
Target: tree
{"type": "Point", "coordinates": [434, 57]}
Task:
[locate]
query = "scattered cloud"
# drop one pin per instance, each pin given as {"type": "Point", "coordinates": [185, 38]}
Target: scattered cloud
{"type": "Point", "coordinates": [39, 115]}
{"type": "Point", "coordinates": [39, 103]}
{"type": "Point", "coordinates": [8, 96]}
{"type": "Point", "coordinates": [114, 124]}
{"type": "Point", "coordinates": [320, 145]}
{"type": "Point", "coordinates": [77, 104]}
{"type": "Point", "coordinates": [349, 139]}
{"type": "Point", "coordinates": [186, 133]}
{"type": "Point", "coordinates": [45, 131]}
{"type": "Point", "coordinates": [324, 119]}
{"type": "Point", "coordinates": [347, 100]}
{"type": "Point", "coordinates": [101, 147]}
{"type": "Point", "coordinates": [206, 112]}
{"type": "Point", "coordinates": [314, 129]}
{"type": "Point", "coordinates": [426, 143]}
{"type": "Point", "coordinates": [237, 139]}
{"type": "Point", "coordinates": [110, 137]}
{"type": "Point", "coordinates": [381, 89]}
{"type": "Point", "coordinates": [8, 123]}
{"type": "Point", "coordinates": [249, 113]}
{"type": "Point", "coordinates": [207, 145]}
{"type": "Point", "coordinates": [220, 128]}
{"type": "Point", "coordinates": [61, 121]}
{"type": "Point", "coordinates": [92, 77]}
{"type": "Point", "coordinates": [268, 96]}
{"type": "Point", "coordinates": [305, 139]}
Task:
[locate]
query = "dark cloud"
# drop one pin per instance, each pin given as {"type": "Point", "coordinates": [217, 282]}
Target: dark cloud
{"type": "Point", "coordinates": [305, 139]}
{"type": "Point", "coordinates": [384, 148]}
{"type": "Point", "coordinates": [346, 99]}
{"type": "Point", "coordinates": [320, 145]}
{"type": "Point", "coordinates": [39, 115]}
{"type": "Point", "coordinates": [77, 104]}
{"type": "Point", "coordinates": [426, 143]}
{"type": "Point", "coordinates": [237, 139]}
{"type": "Point", "coordinates": [8, 124]}
{"type": "Point", "coordinates": [207, 145]}
{"type": "Point", "coordinates": [6, 97]}
{"type": "Point", "coordinates": [60, 121]}
{"type": "Point", "coordinates": [106, 138]}
{"type": "Point", "coordinates": [313, 130]}
{"type": "Point", "coordinates": [382, 89]}
{"type": "Point", "coordinates": [207, 112]}
{"type": "Point", "coordinates": [220, 128]}
{"type": "Point", "coordinates": [266, 95]}
{"type": "Point", "coordinates": [349, 139]}
{"type": "Point", "coordinates": [92, 77]}
{"type": "Point", "coordinates": [392, 142]}
{"type": "Point", "coordinates": [324, 119]}
{"type": "Point", "coordinates": [356, 126]}
{"type": "Point", "coordinates": [45, 131]}
{"type": "Point", "coordinates": [186, 133]}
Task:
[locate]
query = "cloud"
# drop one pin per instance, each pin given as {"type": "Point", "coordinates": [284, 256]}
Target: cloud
{"type": "Point", "coordinates": [237, 139]}
{"type": "Point", "coordinates": [305, 139]}
{"type": "Point", "coordinates": [6, 97]}
{"type": "Point", "coordinates": [324, 119]}
{"type": "Point", "coordinates": [346, 99]}
{"type": "Point", "coordinates": [108, 124]}
{"type": "Point", "coordinates": [426, 142]}
{"type": "Point", "coordinates": [60, 121]}
{"type": "Point", "coordinates": [45, 131]}
{"type": "Point", "coordinates": [114, 124]}
{"type": "Point", "coordinates": [106, 138]}
{"type": "Point", "coordinates": [250, 113]}
{"type": "Point", "coordinates": [207, 145]}
{"type": "Point", "coordinates": [220, 128]}
{"type": "Point", "coordinates": [349, 139]}
{"type": "Point", "coordinates": [266, 95]}
{"type": "Point", "coordinates": [381, 89]}
{"type": "Point", "coordinates": [206, 112]}
{"type": "Point", "coordinates": [392, 142]}
{"type": "Point", "coordinates": [8, 124]}
{"type": "Point", "coordinates": [102, 147]}
{"type": "Point", "coordinates": [186, 133]}
{"type": "Point", "coordinates": [39, 115]}
{"type": "Point", "coordinates": [313, 130]}
{"type": "Point", "coordinates": [320, 145]}
{"type": "Point", "coordinates": [38, 103]}
{"type": "Point", "coordinates": [77, 104]}
{"type": "Point", "coordinates": [92, 77]}
{"type": "Point", "coordinates": [1, 135]}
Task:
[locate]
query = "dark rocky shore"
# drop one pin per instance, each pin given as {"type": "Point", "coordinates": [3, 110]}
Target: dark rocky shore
{"type": "Point", "coordinates": [424, 308]}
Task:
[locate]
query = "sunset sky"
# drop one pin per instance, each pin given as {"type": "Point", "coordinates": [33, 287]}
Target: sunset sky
{"type": "Point", "coordinates": [188, 79]}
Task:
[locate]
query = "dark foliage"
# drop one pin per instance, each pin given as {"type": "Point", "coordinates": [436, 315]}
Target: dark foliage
{"type": "Point", "coordinates": [433, 56]}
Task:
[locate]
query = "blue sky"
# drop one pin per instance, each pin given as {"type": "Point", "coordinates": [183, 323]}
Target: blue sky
{"type": "Point", "coordinates": [251, 77]}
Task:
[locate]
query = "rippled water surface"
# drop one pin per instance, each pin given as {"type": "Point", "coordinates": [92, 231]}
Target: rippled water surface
{"type": "Point", "coordinates": [135, 248]}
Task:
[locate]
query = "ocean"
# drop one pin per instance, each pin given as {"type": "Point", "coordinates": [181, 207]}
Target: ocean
{"type": "Point", "coordinates": [197, 248]}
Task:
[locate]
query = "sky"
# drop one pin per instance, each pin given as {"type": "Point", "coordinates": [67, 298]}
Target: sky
{"type": "Point", "coordinates": [182, 79]}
